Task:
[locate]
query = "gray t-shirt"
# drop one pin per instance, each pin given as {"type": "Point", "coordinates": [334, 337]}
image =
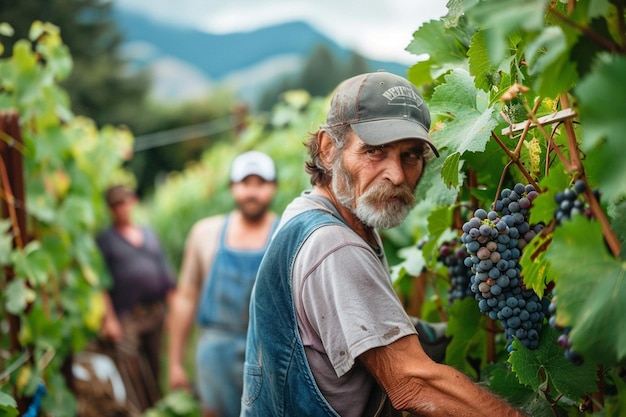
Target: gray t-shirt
{"type": "Point", "coordinates": [345, 305]}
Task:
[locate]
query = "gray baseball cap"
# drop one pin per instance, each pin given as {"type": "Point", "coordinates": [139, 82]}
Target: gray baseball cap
{"type": "Point", "coordinates": [381, 108]}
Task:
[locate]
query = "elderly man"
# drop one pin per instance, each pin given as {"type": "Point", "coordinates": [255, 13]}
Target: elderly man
{"type": "Point", "coordinates": [328, 335]}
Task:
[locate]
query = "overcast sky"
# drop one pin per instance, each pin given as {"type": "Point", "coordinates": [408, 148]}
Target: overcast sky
{"type": "Point", "coordinates": [379, 29]}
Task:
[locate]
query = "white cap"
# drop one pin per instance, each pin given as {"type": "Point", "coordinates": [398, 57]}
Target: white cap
{"type": "Point", "coordinates": [253, 163]}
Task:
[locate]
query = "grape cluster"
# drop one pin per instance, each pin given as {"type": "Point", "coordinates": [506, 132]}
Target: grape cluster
{"type": "Point", "coordinates": [563, 340]}
{"type": "Point", "coordinates": [452, 254]}
{"type": "Point", "coordinates": [494, 246]}
{"type": "Point", "coordinates": [570, 203]}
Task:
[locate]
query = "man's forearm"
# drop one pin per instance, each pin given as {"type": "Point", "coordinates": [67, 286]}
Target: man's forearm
{"type": "Point", "coordinates": [416, 384]}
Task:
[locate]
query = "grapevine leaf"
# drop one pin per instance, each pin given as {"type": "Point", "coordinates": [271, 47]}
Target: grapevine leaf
{"type": "Point", "coordinates": [420, 74]}
{"type": "Point", "coordinates": [585, 49]}
{"type": "Point", "coordinates": [432, 188]}
{"type": "Point", "coordinates": [544, 205]}
{"type": "Point", "coordinates": [450, 170]}
{"type": "Point", "coordinates": [479, 61]}
{"type": "Point", "coordinates": [545, 49]}
{"type": "Point", "coordinates": [18, 296]}
{"type": "Point", "coordinates": [439, 220]}
{"type": "Point", "coordinates": [604, 125]}
{"type": "Point", "coordinates": [469, 128]}
{"type": "Point", "coordinates": [46, 330]}
{"type": "Point", "coordinates": [557, 78]}
{"type": "Point", "coordinates": [590, 288]}
{"type": "Point", "coordinates": [442, 47]}
{"type": "Point", "coordinates": [535, 269]}
{"type": "Point", "coordinates": [505, 383]}
{"type": "Point", "coordinates": [181, 403]}
{"type": "Point", "coordinates": [499, 18]}
{"type": "Point", "coordinates": [63, 402]}
{"type": "Point", "coordinates": [413, 261]}
{"type": "Point", "coordinates": [548, 364]}
{"type": "Point", "coordinates": [33, 263]}
{"type": "Point", "coordinates": [466, 325]}
{"type": "Point", "coordinates": [8, 405]}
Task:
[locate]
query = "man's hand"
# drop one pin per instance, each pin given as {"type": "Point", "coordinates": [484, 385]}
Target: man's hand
{"type": "Point", "coordinates": [112, 329]}
{"type": "Point", "coordinates": [178, 378]}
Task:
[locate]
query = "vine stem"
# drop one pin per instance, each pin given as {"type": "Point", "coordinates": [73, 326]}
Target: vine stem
{"type": "Point", "coordinates": [514, 155]}
{"type": "Point", "coordinates": [611, 46]}
{"type": "Point", "coordinates": [7, 195]}
{"type": "Point", "coordinates": [611, 240]}
{"type": "Point", "coordinates": [515, 160]}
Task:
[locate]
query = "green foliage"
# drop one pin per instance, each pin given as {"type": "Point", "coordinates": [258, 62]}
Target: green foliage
{"type": "Point", "coordinates": [592, 300]}
{"type": "Point", "coordinates": [492, 64]}
{"type": "Point", "coordinates": [50, 282]}
{"type": "Point", "coordinates": [100, 87]}
{"type": "Point", "coordinates": [176, 403]}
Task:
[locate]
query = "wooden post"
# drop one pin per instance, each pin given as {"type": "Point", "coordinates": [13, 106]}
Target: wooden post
{"type": "Point", "coordinates": [12, 206]}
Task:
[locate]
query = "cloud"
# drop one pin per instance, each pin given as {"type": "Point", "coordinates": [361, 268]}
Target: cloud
{"type": "Point", "coordinates": [378, 29]}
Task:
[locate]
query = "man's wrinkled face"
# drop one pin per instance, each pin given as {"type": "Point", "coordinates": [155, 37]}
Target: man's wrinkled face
{"type": "Point", "coordinates": [253, 196]}
{"type": "Point", "coordinates": [377, 183]}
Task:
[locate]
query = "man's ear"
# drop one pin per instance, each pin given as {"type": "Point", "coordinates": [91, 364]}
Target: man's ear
{"type": "Point", "coordinates": [326, 148]}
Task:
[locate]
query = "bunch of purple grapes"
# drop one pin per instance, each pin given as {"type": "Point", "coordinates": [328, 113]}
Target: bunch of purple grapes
{"type": "Point", "coordinates": [569, 202]}
{"type": "Point", "coordinates": [563, 340]}
{"type": "Point", "coordinates": [494, 245]}
{"type": "Point", "coordinates": [452, 254]}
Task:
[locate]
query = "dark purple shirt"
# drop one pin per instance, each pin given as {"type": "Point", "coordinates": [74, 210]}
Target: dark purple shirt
{"type": "Point", "coordinates": [141, 275]}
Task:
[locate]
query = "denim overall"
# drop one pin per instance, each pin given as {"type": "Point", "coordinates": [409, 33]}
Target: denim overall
{"type": "Point", "coordinates": [278, 381]}
{"type": "Point", "coordinates": [223, 319]}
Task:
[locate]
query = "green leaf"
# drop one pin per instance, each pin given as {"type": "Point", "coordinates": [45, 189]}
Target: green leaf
{"type": "Point", "coordinates": [181, 403]}
{"type": "Point", "coordinates": [33, 264]}
{"type": "Point", "coordinates": [479, 65]}
{"type": "Point", "coordinates": [556, 78]}
{"type": "Point", "coordinates": [8, 405]}
{"type": "Point", "coordinates": [604, 125]}
{"type": "Point", "coordinates": [6, 29]}
{"type": "Point", "coordinates": [470, 129]}
{"type": "Point", "coordinates": [505, 383]}
{"type": "Point", "coordinates": [547, 364]}
{"type": "Point", "coordinates": [535, 269]}
{"type": "Point", "coordinates": [439, 220]}
{"type": "Point", "coordinates": [439, 42]}
{"type": "Point", "coordinates": [546, 48]}
{"type": "Point", "coordinates": [450, 170]}
{"type": "Point", "coordinates": [467, 326]}
{"type": "Point", "coordinates": [18, 296]}
{"type": "Point", "coordinates": [591, 290]}
{"type": "Point", "coordinates": [544, 205]}
{"type": "Point", "coordinates": [499, 18]}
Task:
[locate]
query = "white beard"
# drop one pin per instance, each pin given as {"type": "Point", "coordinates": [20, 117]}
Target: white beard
{"type": "Point", "coordinates": [370, 208]}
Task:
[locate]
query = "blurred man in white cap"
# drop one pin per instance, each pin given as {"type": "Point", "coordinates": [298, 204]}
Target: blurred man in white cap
{"type": "Point", "coordinates": [221, 259]}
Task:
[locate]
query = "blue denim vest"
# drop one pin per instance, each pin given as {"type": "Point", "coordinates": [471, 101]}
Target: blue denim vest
{"type": "Point", "coordinates": [277, 378]}
{"type": "Point", "coordinates": [278, 381]}
{"type": "Point", "coordinates": [225, 295]}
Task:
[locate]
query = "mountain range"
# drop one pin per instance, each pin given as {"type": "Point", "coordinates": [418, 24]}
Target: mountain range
{"type": "Point", "coordinates": [187, 63]}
